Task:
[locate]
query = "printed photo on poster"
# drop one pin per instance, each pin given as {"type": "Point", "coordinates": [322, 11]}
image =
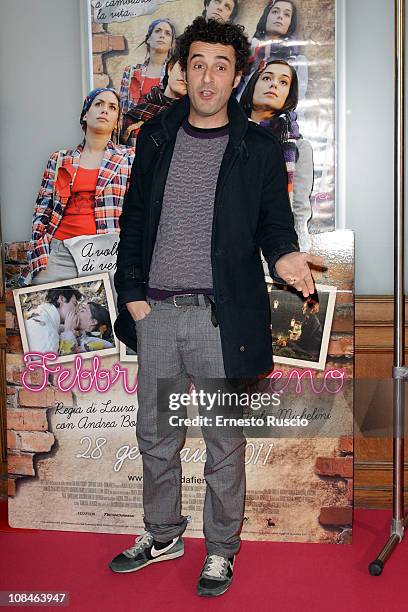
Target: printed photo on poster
{"type": "Point", "coordinates": [81, 196]}
{"type": "Point", "coordinates": [135, 50]}
{"type": "Point", "coordinates": [301, 326]}
{"type": "Point", "coordinates": [68, 318]}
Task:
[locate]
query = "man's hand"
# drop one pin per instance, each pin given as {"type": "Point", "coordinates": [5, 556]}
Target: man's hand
{"type": "Point", "coordinates": [294, 268]}
{"type": "Point", "coordinates": [139, 310]}
{"type": "Point", "coordinates": [71, 322]}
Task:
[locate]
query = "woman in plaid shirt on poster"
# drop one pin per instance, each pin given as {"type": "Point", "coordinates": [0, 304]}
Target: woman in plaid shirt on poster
{"type": "Point", "coordinates": [82, 191]}
{"type": "Point", "coordinates": [139, 79]}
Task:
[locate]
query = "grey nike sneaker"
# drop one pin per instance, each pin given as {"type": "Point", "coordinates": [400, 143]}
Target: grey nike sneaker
{"type": "Point", "coordinates": [216, 576]}
{"type": "Point", "coordinates": [143, 553]}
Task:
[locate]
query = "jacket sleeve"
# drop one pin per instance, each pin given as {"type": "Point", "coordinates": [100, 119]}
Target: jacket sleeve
{"type": "Point", "coordinates": [275, 235]}
{"type": "Point", "coordinates": [128, 279]}
{"type": "Point", "coordinates": [39, 245]}
{"type": "Point", "coordinates": [44, 203]}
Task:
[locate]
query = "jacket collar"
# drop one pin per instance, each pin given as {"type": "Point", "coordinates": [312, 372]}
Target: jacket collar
{"type": "Point", "coordinates": [111, 161]}
{"type": "Point", "coordinates": [174, 116]}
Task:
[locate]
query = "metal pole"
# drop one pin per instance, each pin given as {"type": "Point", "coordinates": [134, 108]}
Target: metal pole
{"type": "Point", "coordinates": [400, 372]}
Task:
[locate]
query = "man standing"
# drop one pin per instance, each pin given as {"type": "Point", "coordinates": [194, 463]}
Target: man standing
{"type": "Point", "coordinates": [208, 190]}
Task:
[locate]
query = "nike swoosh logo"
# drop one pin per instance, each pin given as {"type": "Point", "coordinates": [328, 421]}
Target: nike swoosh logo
{"type": "Point", "coordinates": [157, 553]}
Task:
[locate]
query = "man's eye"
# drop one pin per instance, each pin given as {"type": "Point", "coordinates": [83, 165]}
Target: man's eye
{"type": "Point", "coordinates": [221, 68]}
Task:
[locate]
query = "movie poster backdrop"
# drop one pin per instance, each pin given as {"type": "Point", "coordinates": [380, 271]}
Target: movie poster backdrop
{"type": "Point", "coordinates": [120, 28]}
{"type": "Point", "coordinates": [73, 457]}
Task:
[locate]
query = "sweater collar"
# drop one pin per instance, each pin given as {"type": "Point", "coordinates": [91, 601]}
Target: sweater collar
{"type": "Point", "coordinates": [174, 116]}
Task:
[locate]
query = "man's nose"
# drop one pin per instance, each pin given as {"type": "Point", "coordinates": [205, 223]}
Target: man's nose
{"type": "Point", "coordinates": [207, 76]}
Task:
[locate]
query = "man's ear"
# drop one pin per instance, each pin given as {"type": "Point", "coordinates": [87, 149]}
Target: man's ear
{"type": "Point", "coordinates": [61, 300]}
{"type": "Point", "coordinates": [237, 80]}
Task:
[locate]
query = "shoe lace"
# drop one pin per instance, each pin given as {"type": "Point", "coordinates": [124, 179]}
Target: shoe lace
{"type": "Point", "coordinates": [215, 566]}
{"type": "Point", "coordinates": [145, 539]}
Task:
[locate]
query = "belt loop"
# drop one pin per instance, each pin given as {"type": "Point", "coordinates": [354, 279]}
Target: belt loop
{"type": "Point", "coordinates": [201, 299]}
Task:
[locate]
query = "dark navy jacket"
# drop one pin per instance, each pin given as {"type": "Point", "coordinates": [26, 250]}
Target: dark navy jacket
{"type": "Point", "coordinates": [251, 211]}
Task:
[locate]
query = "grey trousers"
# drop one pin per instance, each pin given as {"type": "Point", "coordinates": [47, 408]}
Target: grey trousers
{"type": "Point", "coordinates": [60, 265]}
{"type": "Point", "coordinates": [182, 344]}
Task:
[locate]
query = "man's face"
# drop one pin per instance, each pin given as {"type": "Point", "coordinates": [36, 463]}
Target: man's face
{"type": "Point", "coordinates": [176, 84]}
{"type": "Point", "coordinates": [220, 9]}
{"type": "Point", "coordinates": [211, 77]}
{"type": "Point", "coordinates": [65, 307]}
{"type": "Point", "coordinates": [279, 19]}
{"type": "Point", "coordinates": [272, 88]}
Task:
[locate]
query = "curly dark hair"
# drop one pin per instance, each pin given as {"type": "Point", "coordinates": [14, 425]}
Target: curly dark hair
{"type": "Point", "coordinates": [215, 32]}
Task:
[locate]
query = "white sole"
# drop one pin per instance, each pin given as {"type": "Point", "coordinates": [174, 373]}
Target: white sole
{"type": "Point", "coordinates": [168, 557]}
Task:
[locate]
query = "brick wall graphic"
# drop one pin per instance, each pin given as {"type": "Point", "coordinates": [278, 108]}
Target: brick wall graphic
{"type": "Point", "coordinates": [28, 435]}
{"type": "Point", "coordinates": [104, 45]}
{"type": "Point", "coordinates": [339, 471]}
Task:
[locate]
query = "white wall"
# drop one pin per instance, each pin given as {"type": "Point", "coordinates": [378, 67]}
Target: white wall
{"type": "Point", "coordinates": [40, 99]}
{"type": "Point", "coordinates": [41, 93]}
{"type": "Point", "coordinates": [369, 140]}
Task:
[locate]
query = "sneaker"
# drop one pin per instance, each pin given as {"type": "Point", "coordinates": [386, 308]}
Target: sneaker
{"type": "Point", "coordinates": [216, 576]}
{"type": "Point", "coordinates": [143, 553]}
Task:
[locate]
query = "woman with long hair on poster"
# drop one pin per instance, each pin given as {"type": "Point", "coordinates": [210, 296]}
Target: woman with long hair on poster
{"type": "Point", "coordinates": [275, 38]}
{"type": "Point", "coordinates": [270, 99]}
{"type": "Point", "coordinates": [138, 79]}
{"type": "Point", "coordinates": [82, 191]}
{"type": "Point", "coordinates": [222, 10]}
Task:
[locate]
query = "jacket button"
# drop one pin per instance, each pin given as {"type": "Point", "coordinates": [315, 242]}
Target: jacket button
{"type": "Point", "coordinates": [157, 202]}
{"type": "Point", "coordinates": [242, 348]}
{"type": "Point", "coordinates": [103, 225]}
{"type": "Point", "coordinates": [220, 252]}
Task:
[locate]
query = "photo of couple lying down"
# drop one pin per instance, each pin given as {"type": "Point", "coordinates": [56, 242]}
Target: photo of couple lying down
{"type": "Point", "coordinates": [67, 320]}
